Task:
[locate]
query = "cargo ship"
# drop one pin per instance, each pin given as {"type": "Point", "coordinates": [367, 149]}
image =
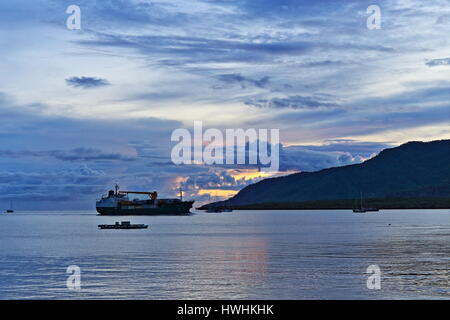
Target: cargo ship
{"type": "Point", "coordinates": [118, 203]}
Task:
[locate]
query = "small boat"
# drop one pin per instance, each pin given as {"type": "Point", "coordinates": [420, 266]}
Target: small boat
{"type": "Point", "coordinates": [123, 225]}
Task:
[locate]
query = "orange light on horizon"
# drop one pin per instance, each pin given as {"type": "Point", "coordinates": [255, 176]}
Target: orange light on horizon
{"type": "Point", "coordinates": [248, 174]}
{"type": "Point", "coordinates": [220, 193]}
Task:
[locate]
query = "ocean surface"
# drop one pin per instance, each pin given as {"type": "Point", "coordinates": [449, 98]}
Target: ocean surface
{"type": "Point", "coordinates": [239, 255]}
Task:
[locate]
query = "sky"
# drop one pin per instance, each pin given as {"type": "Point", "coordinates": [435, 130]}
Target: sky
{"type": "Point", "coordinates": [85, 109]}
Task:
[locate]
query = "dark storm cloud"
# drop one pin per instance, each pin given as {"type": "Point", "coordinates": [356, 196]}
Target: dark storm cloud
{"type": "Point", "coordinates": [86, 82]}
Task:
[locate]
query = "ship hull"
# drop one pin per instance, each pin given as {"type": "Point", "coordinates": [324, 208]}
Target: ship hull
{"type": "Point", "coordinates": [178, 209]}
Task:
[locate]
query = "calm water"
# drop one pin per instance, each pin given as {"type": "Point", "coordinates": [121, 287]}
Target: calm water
{"type": "Point", "coordinates": [239, 255]}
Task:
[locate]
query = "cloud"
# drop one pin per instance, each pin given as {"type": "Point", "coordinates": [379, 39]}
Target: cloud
{"type": "Point", "coordinates": [88, 154]}
{"type": "Point", "coordinates": [438, 62]}
{"type": "Point", "coordinates": [183, 50]}
{"type": "Point", "coordinates": [433, 94]}
{"type": "Point", "coordinates": [86, 82]}
{"type": "Point", "coordinates": [330, 154]}
{"type": "Point", "coordinates": [292, 102]}
{"type": "Point", "coordinates": [302, 158]}
{"type": "Point", "coordinates": [213, 178]}
{"type": "Point", "coordinates": [363, 149]}
{"type": "Point", "coordinates": [322, 63]}
{"type": "Point", "coordinates": [35, 189]}
{"type": "Point", "coordinates": [176, 50]}
{"type": "Point", "coordinates": [87, 157]}
{"type": "Point", "coordinates": [77, 154]}
{"type": "Point", "coordinates": [163, 58]}
{"type": "Point", "coordinates": [444, 19]}
{"type": "Point", "coordinates": [244, 82]}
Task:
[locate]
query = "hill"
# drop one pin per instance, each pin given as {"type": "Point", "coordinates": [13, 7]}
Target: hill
{"type": "Point", "coordinates": [415, 170]}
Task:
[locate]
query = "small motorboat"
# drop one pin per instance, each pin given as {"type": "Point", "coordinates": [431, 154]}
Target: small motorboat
{"type": "Point", "coordinates": [123, 225]}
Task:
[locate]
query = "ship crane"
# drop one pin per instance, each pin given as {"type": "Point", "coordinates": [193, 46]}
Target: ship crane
{"type": "Point", "coordinates": [153, 195]}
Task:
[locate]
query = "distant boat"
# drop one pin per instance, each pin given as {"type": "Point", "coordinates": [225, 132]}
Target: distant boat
{"type": "Point", "coordinates": [361, 209]}
{"type": "Point", "coordinates": [123, 225]}
{"type": "Point", "coordinates": [10, 210]}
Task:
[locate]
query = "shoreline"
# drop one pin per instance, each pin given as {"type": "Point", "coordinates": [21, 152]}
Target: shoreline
{"type": "Point", "coordinates": [346, 204]}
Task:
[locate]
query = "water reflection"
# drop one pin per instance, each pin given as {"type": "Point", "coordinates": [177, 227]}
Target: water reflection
{"type": "Point", "coordinates": [415, 260]}
{"type": "Point", "coordinates": [259, 255]}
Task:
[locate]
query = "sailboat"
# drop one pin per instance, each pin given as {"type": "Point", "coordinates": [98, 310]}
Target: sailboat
{"type": "Point", "coordinates": [10, 210]}
{"type": "Point", "coordinates": [361, 209]}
